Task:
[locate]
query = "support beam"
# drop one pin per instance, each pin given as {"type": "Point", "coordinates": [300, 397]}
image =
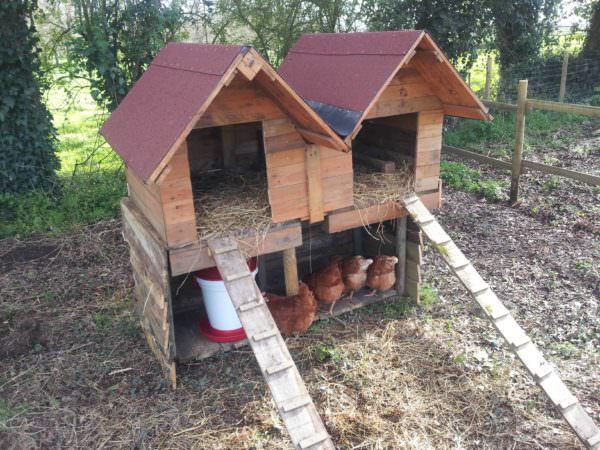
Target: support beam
{"type": "Point", "coordinates": [401, 254]}
{"type": "Point", "coordinates": [290, 271]}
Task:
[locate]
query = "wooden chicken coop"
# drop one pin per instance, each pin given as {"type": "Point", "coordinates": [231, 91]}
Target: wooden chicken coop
{"type": "Point", "coordinates": [216, 143]}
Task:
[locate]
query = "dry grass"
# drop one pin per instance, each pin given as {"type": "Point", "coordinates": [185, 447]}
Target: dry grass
{"type": "Point", "coordinates": [233, 204]}
{"type": "Point", "coordinates": [371, 187]}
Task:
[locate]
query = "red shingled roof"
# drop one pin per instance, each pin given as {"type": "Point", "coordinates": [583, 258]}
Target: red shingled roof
{"type": "Point", "coordinates": [345, 70]}
{"type": "Point", "coordinates": [164, 100]}
{"type": "Point", "coordinates": [340, 75]}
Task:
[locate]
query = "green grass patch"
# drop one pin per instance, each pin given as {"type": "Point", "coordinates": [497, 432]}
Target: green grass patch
{"type": "Point", "coordinates": [91, 178]}
{"type": "Point", "coordinates": [7, 412]}
{"type": "Point", "coordinates": [497, 137]}
{"type": "Point", "coordinates": [459, 176]}
{"type": "Point", "coordinates": [429, 297]}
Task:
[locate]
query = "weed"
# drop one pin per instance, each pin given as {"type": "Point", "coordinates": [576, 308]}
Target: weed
{"type": "Point", "coordinates": [102, 320]}
{"type": "Point", "coordinates": [429, 297]}
{"type": "Point", "coordinates": [460, 359]}
{"type": "Point", "coordinates": [127, 327]}
{"type": "Point", "coordinates": [324, 353]}
{"type": "Point", "coordinates": [459, 176]}
{"type": "Point", "coordinates": [551, 184]}
{"type": "Point", "coordinates": [584, 264]}
{"type": "Point", "coordinates": [565, 350]}
{"type": "Point", "coordinates": [7, 412]}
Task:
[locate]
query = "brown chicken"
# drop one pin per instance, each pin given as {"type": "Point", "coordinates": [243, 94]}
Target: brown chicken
{"type": "Point", "coordinates": [381, 275]}
{"type": "Point", "coordinates": [327, 284]}
{"type": "Point", "coordinates": [293, 315]}
{"type": "Point", "coordinates": [354, 273]}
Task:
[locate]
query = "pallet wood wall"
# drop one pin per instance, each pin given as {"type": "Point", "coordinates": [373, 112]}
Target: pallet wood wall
{"type": "Point", "coordinates": [148, 256]}
{"type": "Point", "coordinates": [175, 188]}
{"type": "Point", "coordinates": [287, 173]}
{"type": "Point", "coordinates": [408, 92]}
{"type": "Point", "coordinates": [430, 125]}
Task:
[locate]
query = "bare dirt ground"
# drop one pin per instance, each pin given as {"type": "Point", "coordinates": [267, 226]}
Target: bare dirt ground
{"type": "Point", "coordinates": [75, 371]}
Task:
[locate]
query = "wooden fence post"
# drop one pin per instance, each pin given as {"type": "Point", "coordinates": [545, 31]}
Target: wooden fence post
{"type": "Point", "coordinates": [290, 271]}
{"type": "Point", "coordinates": [488, 78]}
{"type": "Point", "coordinates": [563, 78]}
{"type": "Point", "coordinates": [401, 254]}
{"type": "Point", "coordinates": [519, 140]}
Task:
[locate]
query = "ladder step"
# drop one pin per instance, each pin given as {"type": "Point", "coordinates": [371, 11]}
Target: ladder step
{"type": "Point", "coordinates": [295, 403]}
{"type": "Point", "coordinates": [279, 367]}
{"type": "Point", "coordinates": [236, 276]}
{"type": "Point", "coordinates": [265, 335]}
{"type": "Point", "coordinates": [568, 402]}
{"type": "Point", "coordinates": [225, 249]}
{"type": "Point", "coordinates": [461, 266]}
{"type": "Point", "coordinates": [411, 200]}
{"type": "Point", "coordinates": [594, 440]}
{"type": "Point", "coordinates": [313, 440]}
{"type": "Point", "coordinates": [520, 341]}
{"type": "Point", "coordinates": [543, 372]}
{"type": "Point", "coordinates": [481, 290]}
{"type": "Point", "coordinates": [250, 305]}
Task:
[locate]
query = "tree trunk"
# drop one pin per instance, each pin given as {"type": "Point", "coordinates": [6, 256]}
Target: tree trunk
{"type": "Point", "coordinates": [592, 40]}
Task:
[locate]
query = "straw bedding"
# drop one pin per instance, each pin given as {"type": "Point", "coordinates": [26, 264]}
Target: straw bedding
{"type": "Point", "coordinates": [232, 203]}
{"type": "Point", "coordinates": [237, 203]}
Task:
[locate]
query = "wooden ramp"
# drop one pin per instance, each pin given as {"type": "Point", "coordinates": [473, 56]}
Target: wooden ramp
{"type": "Point", "coordinates": [287, 388]}
{"type": "Point", "coordinates": [542, 371]}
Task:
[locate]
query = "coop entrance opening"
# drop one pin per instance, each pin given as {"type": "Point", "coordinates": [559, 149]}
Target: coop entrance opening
{"type": "Point", "coordinates": [227, 167]}
{"type": "Point", "coordinates": [384, 159]}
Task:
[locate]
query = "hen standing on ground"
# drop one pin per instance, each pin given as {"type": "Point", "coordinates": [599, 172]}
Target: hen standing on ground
{"type": "Point", "coordinates": [354, 273]}
{"type": "Point", "coordinates": [293, 314]}
{"type": "Point", "coordinates": [381, 275]}
{"type": "Point", "coordinates": [327, 284]}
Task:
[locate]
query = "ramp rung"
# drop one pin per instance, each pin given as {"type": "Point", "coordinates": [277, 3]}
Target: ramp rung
{"type": "Point", "coordinates": [279, 367]}
{"type": "Point", "coordinates": [265, 335]}
{"type": "Point", "coordinates": [224, 249]}
{"type": "Point", "coordinates": [543, 372]}
{"type": "Point", "coordinates": [295, 403]}
{"type": "Point", "coordinates": [236, 276]}
{"type": "Point", "coordinates": [411, 199]}
{"type": "Point", "coordinates": [313, 440]}
{"type": "Point", "coordinates": [594, 440]}
{"type": "Point", "coordinates": [250, 305]}
{"type": "Point", "coordinates": [520, 341]}
{"type": "Point", "coordinates": [568, 402]}
{"type": "Point", "coordinates": [460, 266]}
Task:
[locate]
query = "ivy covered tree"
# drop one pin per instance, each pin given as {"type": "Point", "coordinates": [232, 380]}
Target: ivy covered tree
{"type": "Point", "coordinates": [27, 136]}
{"type": "Point", "coordinates": [114, 41]}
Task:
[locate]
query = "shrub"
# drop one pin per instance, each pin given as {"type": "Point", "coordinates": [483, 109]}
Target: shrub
{"type": "Point", "coordinates": [27, 136]}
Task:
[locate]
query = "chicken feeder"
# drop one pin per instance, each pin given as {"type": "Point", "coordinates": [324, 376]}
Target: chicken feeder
{"type": "Point", "coordinates": [222, 323]}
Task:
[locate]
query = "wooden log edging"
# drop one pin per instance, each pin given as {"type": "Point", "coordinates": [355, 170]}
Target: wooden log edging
{"type": "Point", "coordinates": [526, 164]}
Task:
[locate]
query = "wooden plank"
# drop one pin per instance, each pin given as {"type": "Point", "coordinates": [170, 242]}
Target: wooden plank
{"type": "Point", "coordinates": [401, 254]}
{"type": "Point", "coordinates": [178, 201]}
{"type": "Point", "coordinates": [228, 145]}
{"type": "Point", "coordinates": [385, 108]}
{"type": "Point", "coordinates": [468, 112]}
{"type": "Point", "coordinates": [519, 141]}
{"type": "Point", "coordinates": [375, 163]}
{"type": "Point", "coordinates": [196, 256]}
{"type": "Point", "coordinates": [528, 165]}
{"type": "Point", "coordinates": [315, 186]}
{"type": "Point", "coordinates": [583, 177]}
{"type": "Point", "coordinates": [147, 198]}
{"type": "Point", "coordinates": [321, 139]}
{"type": "Point", "coordinates": [240, 104]}
{"type": "Point", "coordinates": [290, 271]}
{"type": "Point", "coordinates": [431, 170]}
{"type": "Point", "coordinates": [477, 157]}
{"type": "Point", "coordinates": [591, 111]}
{"type": "Point", "coordinates": [500, 106]}
{"type": "Point", "coordinates": [346, 220]}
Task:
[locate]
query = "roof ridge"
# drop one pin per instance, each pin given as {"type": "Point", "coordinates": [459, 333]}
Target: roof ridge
{"type": "Point", "coordinates": [304, 52]}
{"type": "Point", "coordinates": [167, 66]}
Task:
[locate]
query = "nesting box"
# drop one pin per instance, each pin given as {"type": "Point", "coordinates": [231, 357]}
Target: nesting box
{"type": "Point", "coordinates": [386, 94]}
{"type": "Point", "coordinates": [215, 142]}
